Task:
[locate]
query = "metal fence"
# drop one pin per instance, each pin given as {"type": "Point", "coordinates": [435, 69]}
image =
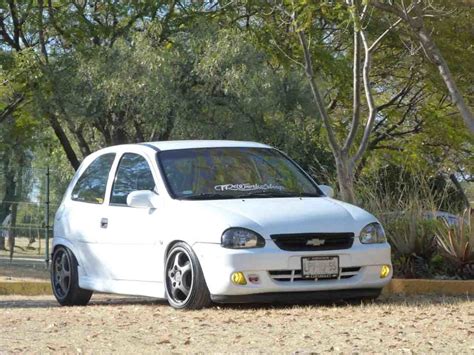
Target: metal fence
{"type": "Point", "coordinates": [28, 200]}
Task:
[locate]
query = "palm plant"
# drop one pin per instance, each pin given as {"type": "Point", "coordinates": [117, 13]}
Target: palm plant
{"type": "Point", "coordinates": [404, 212]}
{"type": "Point", "coordinates": [457, 243]}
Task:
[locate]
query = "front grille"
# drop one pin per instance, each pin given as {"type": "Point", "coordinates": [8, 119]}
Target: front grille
{"type": "Point", "coordinates": [313, 241]}
{"type": "Point", "coordinates": [295, 275]}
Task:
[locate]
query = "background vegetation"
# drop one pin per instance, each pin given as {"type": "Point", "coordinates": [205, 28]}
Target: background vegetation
{"type": "Point", "coordinates": [80, 75]}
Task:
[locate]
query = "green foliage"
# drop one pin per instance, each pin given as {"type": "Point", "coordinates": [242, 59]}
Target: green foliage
{"type": "Point", "coordinates": [423, 244]}
{"type": "Point", "coordinates": [456, 242]}
{"type": "Point", "coordinates": [119, 72]}
{"type": "Point", "coordinates": [406, 205]}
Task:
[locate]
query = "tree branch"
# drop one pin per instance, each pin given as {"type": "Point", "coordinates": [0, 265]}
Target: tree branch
{"type": "Point", "coordinates": [316, 94]}
{"type": "Point", "coordinates": [385, 33]}
{"type": "Point", "coordinates": [416, 24]}
{"type": "Point", "coordinates": [16, 24]}
{"type": "Point", "coordinates": [11, 107]}
{"type": "Point", "coordinates": [356, 92]}
{"type": "Point", "coordinates": [369, 98]}
{"type": "Point", "coordinates": [6, 37]}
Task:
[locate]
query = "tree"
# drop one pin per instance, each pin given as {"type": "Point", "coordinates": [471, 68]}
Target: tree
{"type": "Point", "coordinates": [302, 19]}
{"type": "Point", "coordinates": [286, 73]}
{"type": "Point", "coordinates": [413, 14]}
{"type": "Point", "coordinates": [315, 36]}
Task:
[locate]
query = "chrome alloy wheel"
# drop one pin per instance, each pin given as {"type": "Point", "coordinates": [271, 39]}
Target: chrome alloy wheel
{"type": "Point", "coordinates": [179, 275]}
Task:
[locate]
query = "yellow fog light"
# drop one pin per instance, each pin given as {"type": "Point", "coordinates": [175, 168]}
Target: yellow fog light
{"type": "Point", "coordinates": [238, 278]}
{"type": "Point", "coordinates": [384, 271]}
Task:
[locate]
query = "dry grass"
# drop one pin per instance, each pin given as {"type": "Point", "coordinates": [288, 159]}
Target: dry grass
{"type": "Point", "coordinates": [125, 325]}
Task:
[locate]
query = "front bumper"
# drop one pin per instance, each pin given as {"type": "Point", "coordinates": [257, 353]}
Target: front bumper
{"type": "Point", "coordinates": [360, 269]}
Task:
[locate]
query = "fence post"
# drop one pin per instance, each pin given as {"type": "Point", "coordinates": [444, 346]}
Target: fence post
{"type": "Point", "coordinates": [47, 217]}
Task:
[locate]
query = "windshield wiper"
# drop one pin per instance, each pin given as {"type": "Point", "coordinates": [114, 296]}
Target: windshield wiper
{"type": "Point", "coordinates": [308, 194]}
{"type": "Point", "coordinates": [256, 194]}
{"type": "Point", "coordinates": [208, 196]}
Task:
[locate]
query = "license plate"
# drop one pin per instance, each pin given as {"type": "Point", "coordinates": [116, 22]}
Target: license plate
{"type": "Point", "coordinates": [320, 267]}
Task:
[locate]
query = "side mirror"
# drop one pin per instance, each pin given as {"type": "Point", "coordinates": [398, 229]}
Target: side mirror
{"type": "Point", "coordinates": [143, 199]}
{"type": "Point", "coordinates": [327, 190]}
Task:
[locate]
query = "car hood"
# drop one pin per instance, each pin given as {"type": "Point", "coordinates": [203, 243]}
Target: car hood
{"type": "Point", "coordinates": [282, 215]}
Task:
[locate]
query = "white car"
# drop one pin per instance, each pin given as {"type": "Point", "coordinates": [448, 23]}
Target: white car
{"type": "Point", "coordinates": [202, 221]}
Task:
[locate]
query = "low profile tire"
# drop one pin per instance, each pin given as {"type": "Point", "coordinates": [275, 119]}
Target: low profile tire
{"type": "Point", "coordinates": [64, 279]}
{"type": "Point", "coordinates": [185, 284]}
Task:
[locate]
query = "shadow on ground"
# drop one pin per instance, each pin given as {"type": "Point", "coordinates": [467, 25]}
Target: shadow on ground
{"type": "Point", "coordinates": [113, 300]}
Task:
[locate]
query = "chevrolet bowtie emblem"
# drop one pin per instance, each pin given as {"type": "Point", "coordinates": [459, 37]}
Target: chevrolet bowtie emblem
{"type": "Point", "coordinates": [316, 242]}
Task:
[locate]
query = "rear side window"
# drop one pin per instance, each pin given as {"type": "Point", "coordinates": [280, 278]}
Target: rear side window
{"type": "Point", "coordinates": [133, 174]}
{"type": "Point", "coordinates": [92, 184]}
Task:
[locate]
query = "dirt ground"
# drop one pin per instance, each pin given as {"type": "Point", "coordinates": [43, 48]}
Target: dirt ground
{"type": "Point", "coordinates": [126, 325]}
{"type": "Point", "coordinates": [23, 269]}
{"type": "Point", "coordinates": [23, 248]}
{"type": "Point", "coordinates": [27, 263]}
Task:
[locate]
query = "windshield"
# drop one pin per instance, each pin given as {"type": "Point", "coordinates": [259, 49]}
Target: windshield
{"type": "Point", "coordinates": [225, 173]}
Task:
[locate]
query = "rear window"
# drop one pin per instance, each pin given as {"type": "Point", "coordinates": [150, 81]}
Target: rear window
{"type": "Point", "coordinates": [92, 184]}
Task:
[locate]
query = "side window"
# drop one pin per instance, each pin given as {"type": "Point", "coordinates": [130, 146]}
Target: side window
{"type": "Point", "coordinates": [133, 173]}
{"type": "Point", "coordinates": [92, 184]}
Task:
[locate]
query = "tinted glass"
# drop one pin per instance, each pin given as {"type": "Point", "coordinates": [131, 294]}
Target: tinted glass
{"type": "Point", "coordinates": [213, 173]}
{"type": "Point", "coordinates": [92, 184]}
{"type": "Point", "coordinates": [133, 173]}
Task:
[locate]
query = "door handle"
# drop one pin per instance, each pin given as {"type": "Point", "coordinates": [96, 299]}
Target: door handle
{"type": "Point", "coordinates": [104, 223]}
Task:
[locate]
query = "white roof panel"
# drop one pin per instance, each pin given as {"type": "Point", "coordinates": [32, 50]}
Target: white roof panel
{"type": "Point", "coordinates": [187, 144]}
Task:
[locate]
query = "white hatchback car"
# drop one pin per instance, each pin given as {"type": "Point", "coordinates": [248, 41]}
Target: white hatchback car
{"type": "Point", "coordinates": [202, 221]}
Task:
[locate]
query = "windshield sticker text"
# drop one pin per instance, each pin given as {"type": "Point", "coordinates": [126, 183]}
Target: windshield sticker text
{"type": "Point", "coordinates": [248, 187]}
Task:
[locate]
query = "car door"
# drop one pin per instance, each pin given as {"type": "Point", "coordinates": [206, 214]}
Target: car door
{"type": "Point", "coordinates": [84, 210]}
{"type": "Point", "coordinates": [131, 242]}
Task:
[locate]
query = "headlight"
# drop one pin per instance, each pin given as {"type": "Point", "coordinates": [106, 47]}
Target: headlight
{"type": "Point", "coordinates": [241, 238]}
{"type": "Point", "coordinates": [372, 233]}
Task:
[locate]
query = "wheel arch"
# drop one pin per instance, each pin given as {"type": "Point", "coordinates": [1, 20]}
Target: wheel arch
{"type": "Point", "coordinates": [63, 242]}
{"type": "Point", "coordinates": [200, 296]}
{"type": "Point", "coordinates": [170, 245]}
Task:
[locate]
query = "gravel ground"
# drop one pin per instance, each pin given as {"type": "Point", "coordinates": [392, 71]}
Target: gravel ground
{"type": "Point", "coordinates": [126, 325]}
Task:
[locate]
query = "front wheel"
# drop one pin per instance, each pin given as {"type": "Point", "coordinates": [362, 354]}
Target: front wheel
{"type": "Point", "coordinates": [185, 284]}
{"type": "Point", "coordinates": [65, 281]}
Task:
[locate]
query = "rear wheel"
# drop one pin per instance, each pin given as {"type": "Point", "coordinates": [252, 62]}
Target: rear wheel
{"type": "Point", "coordinates": [65, 281]}
{"type": "Point", "coordinates": [185, 284]}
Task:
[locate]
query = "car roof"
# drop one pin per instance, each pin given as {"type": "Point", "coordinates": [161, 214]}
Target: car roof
{"type": "Point", "coordinates": [187, 144]}
{"type": "Point", "coordinates": [173, 145]}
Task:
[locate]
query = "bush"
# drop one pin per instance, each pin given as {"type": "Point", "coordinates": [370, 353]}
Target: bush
{"type": "Point", "coordinates": [407, 212]}
{"type": "Point", "coordinates": [456, 243]}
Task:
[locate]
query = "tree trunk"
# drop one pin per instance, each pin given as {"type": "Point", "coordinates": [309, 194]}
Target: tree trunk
{"type": "Point", "coordinates": [119, 132]}
{"type": "Point", "coordinates": [461, 191]}
{"type": "Point", "coordinates": [81, 141]}
{"type": "Point", "coordinates": [64, 140]}
{"type": "Point", "coordinates": [435, 55]}
{"type": "Point", "coordinates": [18, 198]}
{"type": "Point", "coordinates": [9, 196]}
{"type": "Point", "coordinates": [345, 178]}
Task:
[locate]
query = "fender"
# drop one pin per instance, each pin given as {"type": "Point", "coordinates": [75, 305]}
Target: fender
{"type": "Point", "coordinates": [60, 241]}
{"type": "Point", "coordinates": [57, 241]}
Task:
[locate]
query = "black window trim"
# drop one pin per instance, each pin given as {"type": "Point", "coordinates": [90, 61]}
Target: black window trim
{"type": "Point", "coordinates": [106, 184]}
{"type": "Point", "coordinates": [115, 177]}
{"type": "Point", "coordinates": [174, 197]}
{"type": "Point", "coordinates": [151, 146]}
